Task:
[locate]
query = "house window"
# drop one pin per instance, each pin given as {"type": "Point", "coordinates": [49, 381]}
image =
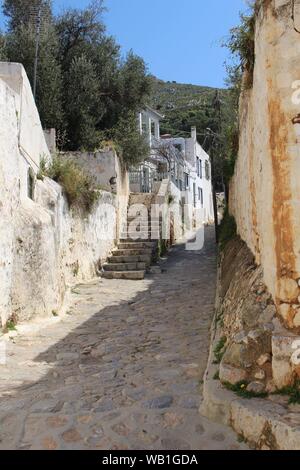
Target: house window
{"type": "Point", "coordinates": [207, 170]}
{"type": "Point", "coordinates": [30, 184]}
{"type": "Point", "coordinates": [187, 181]}
{"type": "Point", "coordinates": [200, 195]}
{"type": "Point", "coordinates": [153, 128]}
{"type": "Point", "coordinates": [197, 164]}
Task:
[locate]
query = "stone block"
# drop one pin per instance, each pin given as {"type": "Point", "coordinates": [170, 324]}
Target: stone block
{"type": "Point", "coordinates": [231, 374]}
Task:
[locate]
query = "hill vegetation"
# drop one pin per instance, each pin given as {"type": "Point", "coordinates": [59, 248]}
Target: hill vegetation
{"type": "Point", "coordinates": [185, 105]}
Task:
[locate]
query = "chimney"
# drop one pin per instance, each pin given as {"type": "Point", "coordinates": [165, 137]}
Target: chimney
{"type": "Point", "coordinates": [194, 133]}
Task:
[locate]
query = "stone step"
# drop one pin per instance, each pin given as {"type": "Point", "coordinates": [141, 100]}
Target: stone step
{"type": "Point", "coordinates": [143, 219]}
{"type": "Point", "coordinates": [141, 234]}
{"type": "Point", "coordinates": [147, 237]}
{"type": "Point", "coordinates": [146, 223]}
{"type": "Point", "coordinates": [139, 240]}
{"type": "Point", "coordinates": [129, 275]}
{"type": "Point", "coordinates": [132, 252]}
{"type": "Point", "coordinates": [125, 267]}
{"type": "Point", "coordinates": [132, 245]}
{"type": "Point", "coordinates": [130, 259]}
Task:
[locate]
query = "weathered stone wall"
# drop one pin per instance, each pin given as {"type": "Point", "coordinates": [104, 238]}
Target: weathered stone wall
{"type": "Point", "coordinates": [55, 248]}
{"type": "Point", "coordinates": [265, 189]}
{"type": "Point", "coordinates": [9, 192]}
{"type": "Point", "coordinates": [101, 165]}
{"type": "Point", "coordinates": [44, 246]}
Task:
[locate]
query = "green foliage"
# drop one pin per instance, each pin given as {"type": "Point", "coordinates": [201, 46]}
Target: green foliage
{"type": "Point", "coordinates": [80, 189]}
{"type": "Point", "coordinates": [227, 229]}
{"type": "Point", "coordinates": [162, 248]}
{"type": "Point", "coordinates": [219, 350]}
{"type": "Point", "coordinates": [3, 51]}
{"type": "Point", "coordinates": [20, 47]}
{"type": "Point", "coordinates": [171, 199]}
{"type": "Point", "coordinates": [81, 104]}
{"type": "Point", "coordinates": [10, 325]}
{"type": "Point", "coordinates": [293, 391]}
{"type": "Point", "coordinates": [135, 84]}
{"type": "Point", "coordinates": [84, 88]}
{"type": "Point", "coordinates": [241, 43]}
{"type": "Point", "coordinates": [185, 106]}
{"type": "Point", "coordinates": [132, 146]}
{"type": "Point", "coordinates": [216, 376]}
{"type": "Point", "coordinates": [240, 389]}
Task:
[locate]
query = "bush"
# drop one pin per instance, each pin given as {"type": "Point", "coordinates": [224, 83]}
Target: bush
{"type": "Point", "coordinates": [130, 145]}
{"type": "Point", "coordinates": [227, 229]}
{"type": "Point", "coordinates": [241, 43]}
{"type": "Point", "coordinates": [80, 188]}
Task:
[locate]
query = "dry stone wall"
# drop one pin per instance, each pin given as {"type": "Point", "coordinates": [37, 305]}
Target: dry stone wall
{"type": "Point", "coordinates": [45, 247]}
{"type": "Point", "coordinates": [265, 188]}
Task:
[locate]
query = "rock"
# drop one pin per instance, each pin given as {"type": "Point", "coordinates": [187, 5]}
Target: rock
{"type": "Point", "coordinates": [284, 310]}
{"type": "Point", "coordinates": [47, 406]}
{"type": "Point", "coordinates": [256, 387]}
{"type": "Point", "coordinates": [99, 351]}
{"type": "Point", "coordinates": [270, 387]}
{"type": "Point", "coordinates": [159, 402]}
{"type": "Point", "coordinates": [295, 408]}
{"type": "Point", "coordinates": [231, 374]}
{"type": "Point", "coordinates": [296, 320]}
{"type": "Point", "coordinates": [254, 335]}
{"type": "Point", "coordinates": [71, 435]}
{"type": "Point", "coordinates": [67, 356]}
{"type": "Point", "coordinates": [282, 349]}
{"type": "Point", "coordinates": [260, 375]}
{"type": "Point", "coordinates": [200, 429]}
{"type": "Point", "coordinates": [218, 437]}
{"type": "Point", "coordinates": [263, 359]}
{"type": "Point", "coordinates": [48, 443]}
{"type": "Point", "coordinates": [288, 289]}
{"type": "Point", "coordinates": [241, 337]}
{"type": "Point", "coordinates": [189, 402]}
{"type": "Point", "coordinates": [268, 327]}
{"type": "Point", "coordinates": [268, 314]}
{"type": "Point", "coordinates": [57, 421]}
{"type": "Point", "coordinates": [174, 444]}
{"type": "Point", "coordinates": [155, 270]}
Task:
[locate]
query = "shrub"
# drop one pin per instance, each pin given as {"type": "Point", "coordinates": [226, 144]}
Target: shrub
{"type": "Point", "coordinates": [130, 145]}
{"type": "Point", "coordinates": [80, 188]}
{"type": "Point", "coordinates": [219, 350]}
{"type": "Point", "coordinates": [293, 391]}
{"type": "Point", "coordinates": [227, 229]}
{"type": "Point", "coordinates": [240, 389]}
{"type": "Point", "coordinates": [241, 43]}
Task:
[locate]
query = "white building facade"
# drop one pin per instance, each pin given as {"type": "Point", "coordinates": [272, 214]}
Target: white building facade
{"type": "Point", "coordinates": [180, 160]}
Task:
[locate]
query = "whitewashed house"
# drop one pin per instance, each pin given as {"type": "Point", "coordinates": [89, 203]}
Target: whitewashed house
{"type": "Point", "coordinates": [180, 160]}
{"type": "Point", "coordinates": [190, 171]}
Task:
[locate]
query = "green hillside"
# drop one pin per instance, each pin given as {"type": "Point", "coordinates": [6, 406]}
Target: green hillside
{"type": "Point", "coordinates": [185, 106]}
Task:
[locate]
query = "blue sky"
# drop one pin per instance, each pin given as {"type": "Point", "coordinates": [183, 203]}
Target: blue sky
{"type": "Point", "coordinates": [178, 39]}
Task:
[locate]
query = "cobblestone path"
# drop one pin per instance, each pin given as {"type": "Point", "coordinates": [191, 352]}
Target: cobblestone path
{"type": "Point", "coordinates": [122, 370]}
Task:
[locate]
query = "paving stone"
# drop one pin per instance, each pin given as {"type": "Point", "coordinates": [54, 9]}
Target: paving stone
{"type": "Point", "coordinates": [47, 406]}
{"type": "Point", "coordinates": [71, 436]}
{"type": "Point", "coordinates": [174, 444]}
{"type": "Point", "coordinates": [159, 402]}
{"type": "Point", "coordinates": [123, 371]}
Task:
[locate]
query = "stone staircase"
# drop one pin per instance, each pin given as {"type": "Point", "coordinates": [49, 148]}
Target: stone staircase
{"type": "Point", "coordinates": [137, 247]}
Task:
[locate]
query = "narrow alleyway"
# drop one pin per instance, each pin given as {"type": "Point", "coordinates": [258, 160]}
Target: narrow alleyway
{"type": "Point", "coordinates": [122, 370]}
